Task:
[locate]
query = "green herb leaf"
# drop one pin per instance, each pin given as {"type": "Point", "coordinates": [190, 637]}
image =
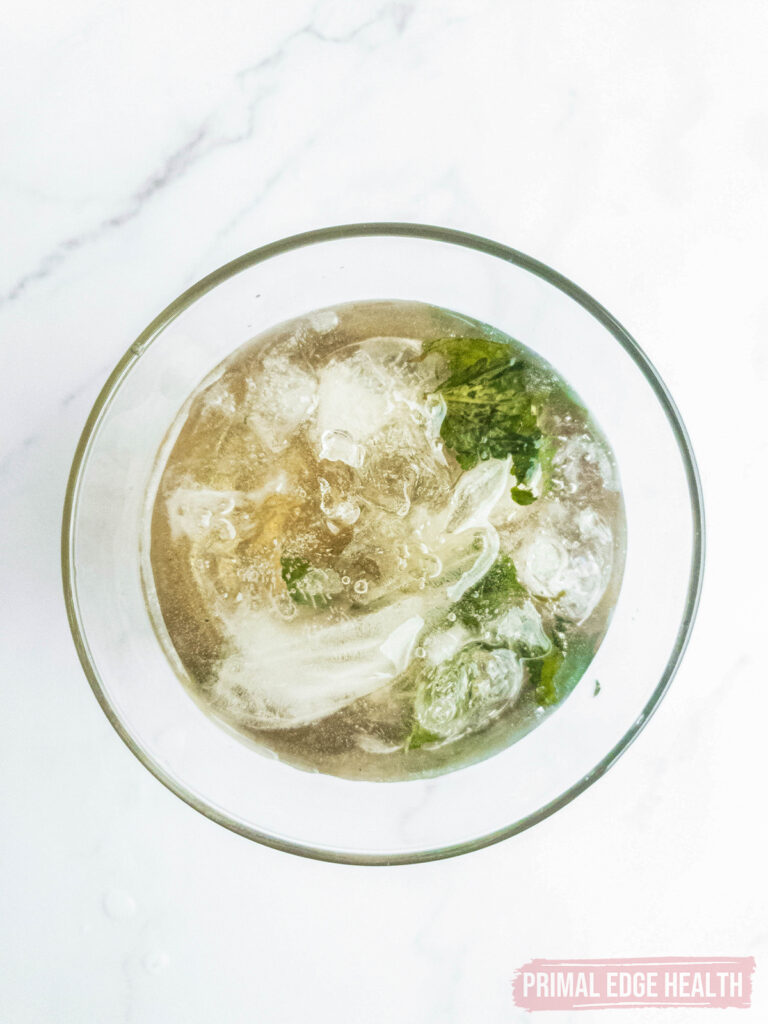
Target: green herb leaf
{"type": "Point", "coordinates": [523, 496]}
{"type": "Point", "coordinates": [467, 357]}
{"type": "Point", "coordinates": [542, 674]}
{"type": "Point", "coordinates": [293, 569]}
{"type": "Point", "coordinates": [419, 736]}
{"type": "Point", "coordinates": [495, 591]}
{"type": "Point", "coordinates": [306, 585]}
{"type": "Point", "coordinates": [491, 407]}
{"type": "Point", "coordinates": [554, 676]}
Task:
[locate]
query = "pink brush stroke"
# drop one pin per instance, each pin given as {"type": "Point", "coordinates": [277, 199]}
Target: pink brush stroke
{"type": "Point", "coordinates": [718, 982]}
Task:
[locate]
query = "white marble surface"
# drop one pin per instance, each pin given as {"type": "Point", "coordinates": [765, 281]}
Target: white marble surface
{"type": "Point", "coordinates": [143, 145]}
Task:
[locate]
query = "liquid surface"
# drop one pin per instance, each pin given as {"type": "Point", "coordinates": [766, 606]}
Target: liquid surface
{"type": "Point", "coordinates": [385, 541]}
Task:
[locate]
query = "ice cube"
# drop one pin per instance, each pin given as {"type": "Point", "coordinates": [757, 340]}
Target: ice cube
{"type": "Point", "coordinates": [592, 527]}
{"type": "Point", "coordinates": [476, 494]}
{"type": "Point", "coordinates": [219, 398]}
{"type": "Point", "coordinates": [403, 467]}
{"type": "Point", "coordinates": [542, 564]}
{"type": "Point", "coordinates": [399, 645]}
{"type": "Point", "coordinates": [279, 400]}
{"type": "Point", "coordinates": [285, 674]}
{"type": "Point", "coordinates": [323, 321]}
{"type": "Point", "coordinates": [467, 691]}
{"type": "Point", "coordinates": [567, 557]}
{"type": "Point", "coordinates": [440, 703]}
{"type": "Point", "coordinates": [392, 352]}
{"type": "Point", "coordinates": [497, 682]}
{"type": "Point", "coordinates": [353, 398]}
{"type": "Point", "coordinates": [389, 476]}
{"type": "Point", "coordinates": [337, 506]}
{"type": "Point", "coordinates": [400, 358]}
{"type": "Point", "coordinates": [338, 446]}
{"type": "Point", "coordinates": [445, 643]}
{"type": "Point", "coordinates": [202, 512]}
{"type": "Point", "coordinates": [586, 587]}
{"type": "Point", "coordinates": [520, 628]}
{"type": "Point", "coordinates": [582, 466]}
{"type": "Point", "coordinates": [484, 546]}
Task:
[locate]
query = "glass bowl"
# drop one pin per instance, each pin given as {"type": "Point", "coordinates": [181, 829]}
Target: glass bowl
{"type": "Point", "coordinates": [323, 816]}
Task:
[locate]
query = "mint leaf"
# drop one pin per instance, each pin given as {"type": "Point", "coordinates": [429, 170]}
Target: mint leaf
{"type": "Point", "coordinates": [419, 736]}
{"type": "Point", "coordinates": [554, 676]}
{"type": "Point", "coordinates": [293, 569]}
{"type": "Point", "coordinates": [542, 674]}
{"type": "Point", "coordinates": [495, 591]}
{"type": "Point", "coordinates": [468, 356]}
{"type": "Point", "coordinates": [491, 403]}
{"type": "Point", "coordinates": [306, 585]}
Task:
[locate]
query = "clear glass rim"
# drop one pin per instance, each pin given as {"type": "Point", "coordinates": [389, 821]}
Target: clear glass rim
{"type": "Point", "coordinates": [427, 233]}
